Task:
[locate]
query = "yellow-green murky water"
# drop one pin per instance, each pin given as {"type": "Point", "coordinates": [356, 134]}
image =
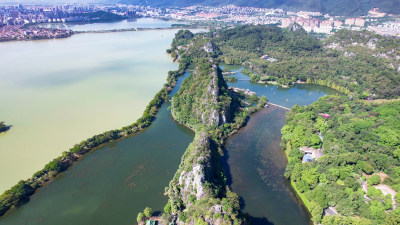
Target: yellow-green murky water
{"type": "Point", "coordinates": [56, 93]}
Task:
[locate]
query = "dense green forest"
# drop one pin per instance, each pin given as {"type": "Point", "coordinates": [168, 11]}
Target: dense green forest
{"type": "Point", "coordinates": [352, 67]}
{"type": "Point", "coordinates": [334, 7]}
{"type": "Point", "coordinates": [361, 139]}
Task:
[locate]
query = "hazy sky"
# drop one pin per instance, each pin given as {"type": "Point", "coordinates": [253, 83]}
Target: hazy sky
{"type": "Point", "coordinates": [53, 1]}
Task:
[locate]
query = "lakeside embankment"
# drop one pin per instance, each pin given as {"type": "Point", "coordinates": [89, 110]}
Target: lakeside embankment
{"type": "Point", "coordinates": [19, 33]}
{"type": "Point", "coordinates": [139, 29]}
{"type": "Point", "coordinates": [20, 193]}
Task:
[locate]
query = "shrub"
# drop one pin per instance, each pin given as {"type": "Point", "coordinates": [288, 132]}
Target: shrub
{"type": "Point", "coordinates": [148, 211]}
{"type": "Point", "coordinates": [140, 217]}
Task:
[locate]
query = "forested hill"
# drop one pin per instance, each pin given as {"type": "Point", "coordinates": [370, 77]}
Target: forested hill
{"type": "Point", "coordinates": [334, 7]}
{"type": "Point", "coordinates": [198, 187]}
{"type": "Point", "coordinates": [361, 64]}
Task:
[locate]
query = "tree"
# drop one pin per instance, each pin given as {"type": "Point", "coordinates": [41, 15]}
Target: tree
{"type": "Point", "coordinates": [367, 168]}
{"type": "Point", "coordinates": [313, 141]}
{"type": "Point", "coordinates": [377, 210]}
{"type": "Point", "coordinates": [148, 211]}
{"type": "Point", "coordinates": [374, 193]}
{"type": "Point", "coordinates": [397, 197]}
{"type": "Point", "coordinates": [322, 178]}
{"type": "Point", "coordinates": [374, 180]}
{"type": "Point", "coordinates": [318, 195]}
{"type": "Point", "coordinates": [200, 221]}
{"type": "Point", "coordinates": [392, 219]}
{"type": "Point", "coordinates": [317, 214]}
{"type": "Point", "coordinates": [182, 217]}
{"type": "Point", "coordinates": [140, 217]}
{"type": "Point", "coordinates": [310, 176]}
{"type": "Point", "coordinates": [351, 182]}
{"type": "Point", "coordinates": [388, 202]}
{"type": "Point", "coordinates": [54, 165]}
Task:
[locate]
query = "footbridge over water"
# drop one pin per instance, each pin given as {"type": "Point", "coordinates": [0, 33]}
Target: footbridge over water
{"type": "Point", "coordinates": [283, 107]}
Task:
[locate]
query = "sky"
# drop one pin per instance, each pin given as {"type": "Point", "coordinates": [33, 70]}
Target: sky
{"type": "Point", "coordinates": [52, 1]}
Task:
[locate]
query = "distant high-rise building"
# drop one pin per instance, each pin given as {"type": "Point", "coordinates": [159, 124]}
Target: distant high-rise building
{"type": "Point", "coordinates": [337, 23]}
{"type": "Point", "coordinates": [350, 21]}
{"type": "Point", "coordinates": [359, 22]}
{"type": "Point", "coordinates": [14, 13]}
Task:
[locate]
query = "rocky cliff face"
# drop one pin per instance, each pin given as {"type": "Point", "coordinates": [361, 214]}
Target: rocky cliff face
{"type": "Point", "coordinates": [217, 115]}
{"type": "Point", "coordinates": [198, 193]}
{"type": "Point", "coordinates": [192, 181]}
{"type": "Point", "coordinates": [203, 98]}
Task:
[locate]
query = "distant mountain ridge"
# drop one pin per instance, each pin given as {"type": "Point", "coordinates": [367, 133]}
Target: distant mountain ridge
{"type": "Point", "coordinates": [334, 7]}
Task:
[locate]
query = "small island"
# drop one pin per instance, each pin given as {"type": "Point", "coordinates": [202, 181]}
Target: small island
{"type": "Point", "coordinates": [3, 127]}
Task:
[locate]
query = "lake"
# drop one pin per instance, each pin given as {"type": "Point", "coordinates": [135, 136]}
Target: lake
{"type": "Point", "coordinates": [56, 93]}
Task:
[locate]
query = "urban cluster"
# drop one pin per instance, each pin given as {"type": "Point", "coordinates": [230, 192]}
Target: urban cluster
{"type": "Point", "coordinates": [18, 32]}
{"type": "Point", "coordinates": [311, 21]}
{"type": "Point", "coordinates": [14, 18]}
{"type": "Point", "coordinates": [25, 14]}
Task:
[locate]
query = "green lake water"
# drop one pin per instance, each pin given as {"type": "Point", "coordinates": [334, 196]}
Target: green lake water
{"type": "Point", "coordinates": [254, 162]}
{"type": "Point", "coordinates": [112, 184]}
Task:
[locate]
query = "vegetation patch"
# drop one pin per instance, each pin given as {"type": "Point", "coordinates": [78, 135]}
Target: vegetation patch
{"type": "Point", "coordinates": [360, 139]}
